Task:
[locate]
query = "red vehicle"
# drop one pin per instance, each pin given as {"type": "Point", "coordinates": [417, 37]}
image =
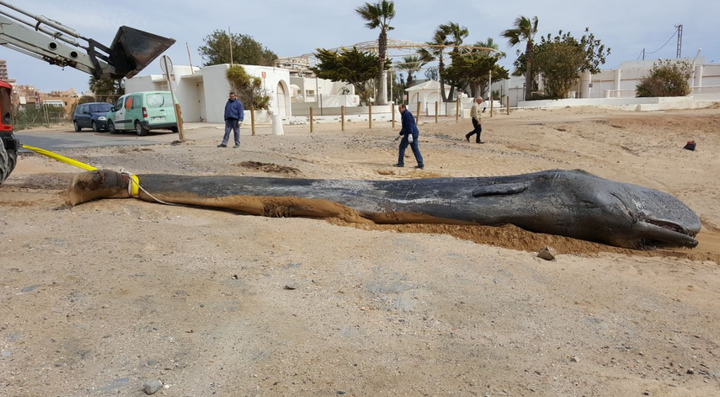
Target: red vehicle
{"type": "Point", "coordinates": [130, 52]}
{"type": "Point", "coordinates": [9, 145]}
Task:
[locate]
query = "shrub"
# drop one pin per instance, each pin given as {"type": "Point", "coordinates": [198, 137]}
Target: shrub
{"type": "Point", "coordinates": [666, 78]}
{"type": "Point", "coordinates": [248, 89]}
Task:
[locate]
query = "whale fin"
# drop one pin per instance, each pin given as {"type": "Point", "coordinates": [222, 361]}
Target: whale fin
{"type": "Point", "coordinates": [500, 189]}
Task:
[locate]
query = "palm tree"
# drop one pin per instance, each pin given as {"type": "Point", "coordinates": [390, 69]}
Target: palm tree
{"type": "Point", "coordinates": [524, 30]}
{"type": "Point", "coordinates": [434, 52]}
{"type": "Point", "coordinates": [455, 34]}
{"type": "Point", "coordinates": [410, 64]}
{"type": "Point", "coordinates": [379, 15]}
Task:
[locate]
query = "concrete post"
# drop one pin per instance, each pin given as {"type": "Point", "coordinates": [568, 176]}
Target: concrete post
{"type": "Point", "coordinates": [618, 74]}
{"type": "Point", "coordinates": [311, 119]}
{"type": "Point", "coordinates": [393, 115]}
{"type": "Point", "coordinates": [277, 127]}
{"type": "Point", "coordinates": [342, 118]}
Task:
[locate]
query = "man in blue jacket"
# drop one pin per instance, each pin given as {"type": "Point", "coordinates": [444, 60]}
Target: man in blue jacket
{"type": "Point", "coordinates": [410, 135]}
{"type": "Point", "coordinates": [234, 115]}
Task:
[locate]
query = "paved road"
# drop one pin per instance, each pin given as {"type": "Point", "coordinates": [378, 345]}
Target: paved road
{"type": "Point", "coordinates": [57, 140]}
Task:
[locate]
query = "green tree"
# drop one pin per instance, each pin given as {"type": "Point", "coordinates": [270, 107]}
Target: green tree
{"type": "Point", "coordinates": [474, 69]}
{"type": "Point", "coordinates": [248, 88]}
{"type": "Point", "coordinates": [245, 50]}
{"type": "Point", "coordinates": [435, 52]}
{"type": "Point", "coordinates": [411, 65]}
{"type": "Point", "coordinates": [106, 89]}
{"type": "Point", "coordinates": [455, 35]}
{"type": "Point", "coordinates": [561, 60]}
{"type": "Point", "coordinates": [432, 73]}
{"type": "Point", "coordinates": [378, 15]}
{"type": "Point", "coordinates": [524, 30]}
{"type": "Point", "coordinates": [666, 78]}
{"type": "Point", "coordinates": [352, 66]}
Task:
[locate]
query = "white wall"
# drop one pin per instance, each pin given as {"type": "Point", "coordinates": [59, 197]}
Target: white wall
{"type": "Point", "coordinates": [619, 83]}
{"type": "Point", "coordinates": [318, 87]}
{"type": "Point", "coordinates": [212, 80]}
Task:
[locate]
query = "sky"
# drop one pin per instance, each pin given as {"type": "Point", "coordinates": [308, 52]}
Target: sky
{"type": "Point", "coordinates": [292, 28]}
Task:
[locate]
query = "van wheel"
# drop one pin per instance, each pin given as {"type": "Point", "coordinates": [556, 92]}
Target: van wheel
{"type": "Point", "coordinates": [174, 129]}
{"type": "Point", "coordinates": [111, 128]}
{"type": "Point", "coordinates": [95, 127]}
{"type": "Point", "coordinates": [139, 129]}
{"type": "Point", "coordinates": [77, 126]}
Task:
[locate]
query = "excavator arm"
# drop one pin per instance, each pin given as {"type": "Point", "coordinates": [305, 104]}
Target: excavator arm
{"type": "Point", "coordinates": [130, 52]}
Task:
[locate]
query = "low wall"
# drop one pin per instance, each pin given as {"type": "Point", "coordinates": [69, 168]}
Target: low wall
{"type": "Point", "coordinates": [630, 104]}
{"type": "Point", "coordinates": [303, 109]}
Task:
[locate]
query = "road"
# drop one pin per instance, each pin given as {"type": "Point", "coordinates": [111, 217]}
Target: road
{"type": "Point", "coordinates": [56, 140]}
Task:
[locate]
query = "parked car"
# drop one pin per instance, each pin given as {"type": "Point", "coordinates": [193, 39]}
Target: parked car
{"type": "Point", "coordinates": [142, 112]}
{"type": "Point", "coordinates": [91, 115]}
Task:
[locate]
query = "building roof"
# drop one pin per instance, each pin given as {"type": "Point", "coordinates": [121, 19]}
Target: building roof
{"type": "Point", "coordinates": [430, 85]}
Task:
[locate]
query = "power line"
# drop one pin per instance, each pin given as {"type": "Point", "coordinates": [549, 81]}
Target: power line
{"type": "Point", "coordinates": [663, 46]}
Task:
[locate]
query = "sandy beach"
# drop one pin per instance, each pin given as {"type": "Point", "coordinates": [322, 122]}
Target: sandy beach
{"type": "Point", "coordinates": [99, 298]}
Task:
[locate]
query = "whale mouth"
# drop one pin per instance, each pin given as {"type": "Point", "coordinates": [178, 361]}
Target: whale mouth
{"type": "Point", "coordinates": [657, 233]}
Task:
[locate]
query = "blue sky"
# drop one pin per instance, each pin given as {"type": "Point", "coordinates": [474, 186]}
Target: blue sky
{"type": "Point", "coordinates": [291, 28]}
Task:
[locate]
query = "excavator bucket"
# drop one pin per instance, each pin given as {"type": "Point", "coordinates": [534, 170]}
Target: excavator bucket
{"type": "Point", "coordinates": [132, 50]}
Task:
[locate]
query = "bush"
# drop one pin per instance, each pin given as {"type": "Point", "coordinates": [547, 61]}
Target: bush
{"type": "Point", "coordinates": [248, 89]}
{"type": "Point", "coordinates": [666, 78]}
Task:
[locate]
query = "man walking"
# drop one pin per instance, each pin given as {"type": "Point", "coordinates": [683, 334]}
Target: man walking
{"type": "Point", "coordinates": [476, 115]}
{"type": "Point", "coordinates": [234, 115]}
{"type": "Point", "coordinates": [410, 135]}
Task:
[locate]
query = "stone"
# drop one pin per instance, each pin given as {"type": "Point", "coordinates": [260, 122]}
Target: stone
{"type": "Point", "coordinates": [152, 386]}
{"type": "Point", "coordinates": [548, 253]}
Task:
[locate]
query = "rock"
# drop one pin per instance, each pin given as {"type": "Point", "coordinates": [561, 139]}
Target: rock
{"type": "Point", "coordinates": [291, 286]}
{"type": "Point", "coordinates": [152, 386]}
{"type": "Point", "coordinates": [548, 253]}
{"type": "Point", "coordinates": [575, 359]}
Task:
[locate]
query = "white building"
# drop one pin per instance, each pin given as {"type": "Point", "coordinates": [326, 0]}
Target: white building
{"type": "Point", "coordinates": [427, 94]}
{"type": "Point", "coordinates": [203, 92]}
{"type": "Point", "coordinates": [618, 83]}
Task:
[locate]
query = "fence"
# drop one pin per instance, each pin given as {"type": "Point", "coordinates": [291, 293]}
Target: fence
{"type": "Point", "coordinates": [43, 116]}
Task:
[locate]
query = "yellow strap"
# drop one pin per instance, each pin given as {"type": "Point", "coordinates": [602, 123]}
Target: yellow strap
{"type": "Point", "coordinates": [60, 158]}
{"type": "Point", "coordinates": [134, 186]}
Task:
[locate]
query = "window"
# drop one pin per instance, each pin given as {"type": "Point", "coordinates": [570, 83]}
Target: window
{"type": "Point", "coordinates": [119, 103]}
{"type": "Point", "coordinates": [100, 107]}
{"type": "Point", "coordinates": [128, 103]}
{"type": "Point", "coordinates": [158, 100]}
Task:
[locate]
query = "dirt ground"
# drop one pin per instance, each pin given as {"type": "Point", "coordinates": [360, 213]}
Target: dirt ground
{"type": "Point", "coordinates": [99, 298]}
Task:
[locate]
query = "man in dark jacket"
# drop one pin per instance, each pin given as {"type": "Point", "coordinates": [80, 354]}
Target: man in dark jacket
{"type": "Point", "coordinates": [410, 135]}
{"type": "Point", "coordinates": [234, 115]}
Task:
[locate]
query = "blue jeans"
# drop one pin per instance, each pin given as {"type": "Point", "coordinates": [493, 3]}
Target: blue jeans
{"type": "Point", "coordinates": [416, 151]}
{"type": "Point", "coordinates": [232, 124]}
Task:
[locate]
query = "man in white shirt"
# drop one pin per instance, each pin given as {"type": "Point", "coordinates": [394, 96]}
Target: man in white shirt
{"type": "Point", "coordinates": [475, 114]}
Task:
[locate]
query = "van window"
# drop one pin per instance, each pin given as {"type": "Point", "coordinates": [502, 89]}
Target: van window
{"type": "Point", "coordinates": [128, 103]}
{"type": "Point", "coordinates": [158, 100]}
{"type": "Point", "coordinates": [137, 101]}
{"type": "Point", "coordinates": [119, 103]}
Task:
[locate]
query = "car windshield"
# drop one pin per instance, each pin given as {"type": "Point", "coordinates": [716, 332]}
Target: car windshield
{"type": "Point", "coordinates": [100, 107]}
{"type": "Point", "coordinates": [158, 100]}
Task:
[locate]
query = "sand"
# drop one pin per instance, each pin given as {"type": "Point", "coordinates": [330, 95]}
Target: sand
{"type": "Point", "coordinates": [99, 298]}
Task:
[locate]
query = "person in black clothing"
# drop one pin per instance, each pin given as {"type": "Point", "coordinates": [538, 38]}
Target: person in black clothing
{"type": "Point", "coordinates": [410, 135]}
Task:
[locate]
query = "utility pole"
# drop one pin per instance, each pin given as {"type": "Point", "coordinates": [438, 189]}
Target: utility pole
{"type": "Point", "coordinates": [231, 45]}
{"type": "Point", "coordinates": [679, 42]}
